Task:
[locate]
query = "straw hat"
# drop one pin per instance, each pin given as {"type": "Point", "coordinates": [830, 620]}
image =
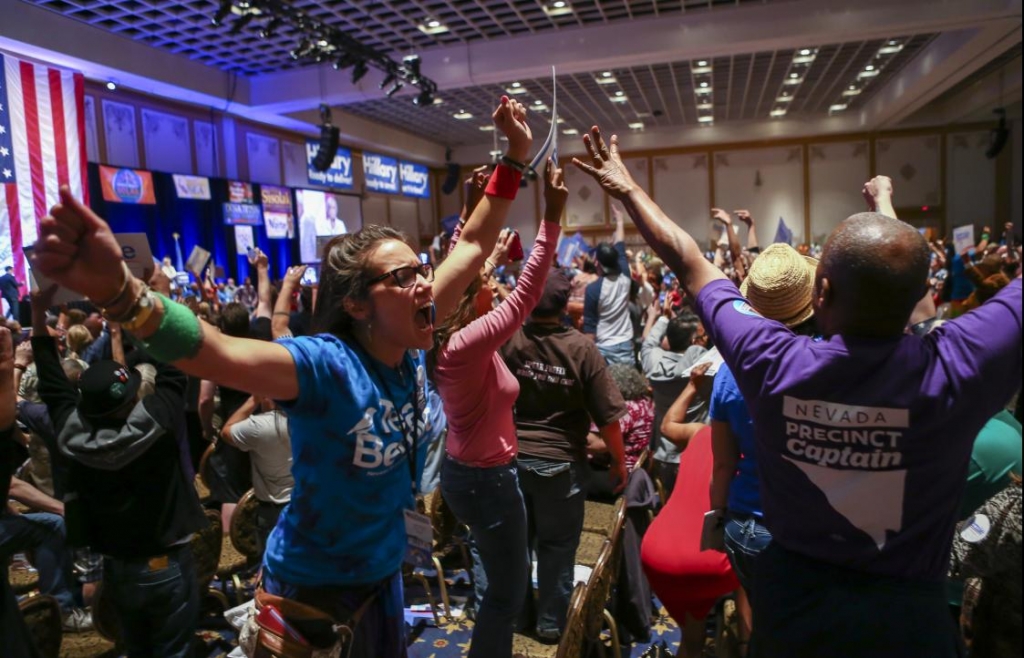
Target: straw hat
{"type": "Point", "coordinates": [780, 284]}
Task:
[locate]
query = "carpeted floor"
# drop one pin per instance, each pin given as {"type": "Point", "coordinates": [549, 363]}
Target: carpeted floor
{"type": "Point", "coordinates": [449, 639]}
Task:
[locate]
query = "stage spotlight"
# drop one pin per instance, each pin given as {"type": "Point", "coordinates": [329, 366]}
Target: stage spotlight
{"type": "Point", "coordinates": [388, 79]}
{"type": "Point", "coordinates": [344, 61]}
{"type": "Point", "coordinates": [222, 12]}
{"type": "Point", "coordinates": [304, 48]}
{"type": "Point", "coordinates": [412, 65]}
{"type": "Point", "coordinates": [394, 89]}
{"type": "Point", "coordinates": [240, 24]}
{"type": "Point", "coordinates": [359, 70]}
{"type": "Point", "coordinates": [424, 99]}
{"type": "Point", "coordinates": [268, 29]}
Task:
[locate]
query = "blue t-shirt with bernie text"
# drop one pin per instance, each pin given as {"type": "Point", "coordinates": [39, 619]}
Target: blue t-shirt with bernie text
{"type": "Point", "coordinates": [345, 523]}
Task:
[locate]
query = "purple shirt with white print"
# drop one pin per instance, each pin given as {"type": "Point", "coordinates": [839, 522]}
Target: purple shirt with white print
{"type": "Point", "coordinates": [863, 445]}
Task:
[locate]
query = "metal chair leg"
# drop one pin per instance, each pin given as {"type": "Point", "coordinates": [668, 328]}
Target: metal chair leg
{"type": "Point", "coordinates": [613, 629]}
{"type": "Point", "coordinates": [443, 588]}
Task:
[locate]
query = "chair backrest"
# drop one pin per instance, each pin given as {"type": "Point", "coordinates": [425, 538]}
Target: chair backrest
{"type": "Point", "coordinates": [599, 588]}
{"type": "Point", "coordinates": [206, 546]}
{"type": "Point", "coordinates": [43, 618]}
{"type": "Point", "coordinates": [571, 642]}
{"type": "Point", "coordinates": [243, 526]}
{"type": "Point", "coordinates": [204, 464]}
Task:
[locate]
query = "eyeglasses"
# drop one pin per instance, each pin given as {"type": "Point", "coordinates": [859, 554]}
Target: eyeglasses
{"type": "Point", "coordinates": [405, 277]}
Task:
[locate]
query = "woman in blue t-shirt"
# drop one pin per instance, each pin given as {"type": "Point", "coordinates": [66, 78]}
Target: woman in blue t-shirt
{"type": "Point", "coordinates": [354, 394]}
{"type": "Point", "coordinates": [779, 286]}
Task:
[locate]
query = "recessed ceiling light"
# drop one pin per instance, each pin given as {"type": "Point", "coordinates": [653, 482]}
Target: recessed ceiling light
{"type": "Point", "coordinates": [869, 67]}
{"type": "Point", "coordinates": [805, 52]}
{"type": "Point", "coordinates": [488, 128]}
{"type": "Point", "coordinates": [868, 73]}
{"type": "Point", "coordinates": [517, 84]}
{"type": "Point", "coordinates": [605, 78]}
{"type": "Point", "coordinates": [778, 112]}
{"type": "Point", "coordinates": [516, 88]}
{"type": "Point", "coordinates": [570, 131]}
{"type": "Point", "coordinates": [636, 125]}
{"type": "Point", "coordinates": [705, 107]}
{"type": "Point", "coordinates": [794, 75]}
{"type": "Point", "coordinates": [462, 115]}
{"type": "Point", "coordinates": [438, 101]}
{"type": "Point", "coordinates": [702, 62]}
{"type": "Point", "coordinates": [837, 107]}
{"type": "Point", "coordinates": [558, 8]}
{"type": "Point", "coordinates": [538, 102]}
{"type": "Point", "coordinates": [701, 68]}
{"type": "Point", "coordinates": [495, 153]}
{"type": "Point", "coordinates": [706, 119]}
{"type": "Point", "coordinates": [432, 26]}
{"type": "Point", "coordinates": [703, 90]}
{"type": "Point", "coordinates": [111, 85]}
{"type": "Point", "coordinates": [620, 93]}
{"type": "Point", "coordinates": [793, 81]}
{"type": "Point", "coordinates": [618, 99]}
{"type": "Point", "coordinates": [784, 99]}
{"type": "Point", "coordinates": [890, 48]}
{"type": "Point", "coordinates": [606, 74]}
{"type": "Point", "coordinates": [704, 85]}
{"type": "Point", "coordinates": [852, 91]}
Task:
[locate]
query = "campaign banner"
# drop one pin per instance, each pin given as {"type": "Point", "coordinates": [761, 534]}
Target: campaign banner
{"type": "Point", "coordinates": [197, 261]}
{"type": "Point", "coordinates": [127, 185]}
{"type": "Point", "coordinates": [192, 187]}
{"type": "Point", "coordinates": [243, 213]}
{"type": "Point", "coordinates": [239, 192]}
{"type": "Point", "coordinates": [381, 173]}
{"type": "Point", "coordinates": [338, 175]}
{"type": "Point", "coordinates": [277, 212]}
{"type": "Point", "coordinates": [415, 180]}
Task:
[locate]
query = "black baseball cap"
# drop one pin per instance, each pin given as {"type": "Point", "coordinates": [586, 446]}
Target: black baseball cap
{"type": "Point", "coordinates": [105, 387]}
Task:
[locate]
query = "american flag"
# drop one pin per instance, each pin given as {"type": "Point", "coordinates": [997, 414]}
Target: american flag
{"type": "Point", "coordinates": [42, 146]}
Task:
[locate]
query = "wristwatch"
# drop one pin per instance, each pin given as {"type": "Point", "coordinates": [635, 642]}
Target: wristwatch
{"type": "Point", "coordinates": [514, 164]}
{"type": "Point", "coordinates": [140, 312]}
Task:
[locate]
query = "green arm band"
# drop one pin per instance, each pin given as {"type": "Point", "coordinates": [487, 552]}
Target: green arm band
{"type": "Point", "coordinates": [179, 335]}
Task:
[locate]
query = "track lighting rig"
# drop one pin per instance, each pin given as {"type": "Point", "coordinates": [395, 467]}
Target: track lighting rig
{"type": "Point", "coordinates": [321, 42]}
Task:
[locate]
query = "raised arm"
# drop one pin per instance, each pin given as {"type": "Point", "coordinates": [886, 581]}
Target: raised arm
{"type": "Point", "coordinates": [264, 291]}
{"type": "Point", "coordinates": [481, 230]}
{"type": "Point", "coordinates": [674, 426]}
{"type": "Point", "coordinates": [672, 244]}
{"type": "Point", "coordinates": [748, 219]}
{"type": "Point", "coordinates": [282, 309]}
{"type": "Point", "coordinates": [490, 331]}
{"type": "Point", "coordinates": [77, 250]}
{"type": "Point", "coordinates": [878, 193]}
{"type": "Point", "coordinates": [735, 250]}
{"type": "Point", "coordinates": [726, 451]}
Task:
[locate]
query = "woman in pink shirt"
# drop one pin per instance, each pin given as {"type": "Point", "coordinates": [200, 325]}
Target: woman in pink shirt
{"type": "Point", "coordinates": [478, 477]}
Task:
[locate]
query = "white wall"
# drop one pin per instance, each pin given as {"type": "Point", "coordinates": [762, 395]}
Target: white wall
{"type": "Point", "coordinates": [769, 182]}
{"type": "Point", "coordinates": [970, 181]}
{"type": "Point", "coordinates": [838, 171]}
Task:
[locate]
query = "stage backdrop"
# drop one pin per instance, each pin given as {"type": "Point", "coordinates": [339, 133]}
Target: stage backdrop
{"type": "Point", "coordinates": [198, 222]}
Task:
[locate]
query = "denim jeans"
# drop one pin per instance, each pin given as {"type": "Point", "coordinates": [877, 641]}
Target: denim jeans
{"type": "Point", "coordinates": [745, 539]}
{"type": "Point", "coordinates": [156, 601]}
{"type": "Point", "coordinates": [43, 534]}
{"type": "Point", "coordinates": [619, 353]}
{"type": "Point", "coordinates": [380, 632]}
{"type": "Point", "coordinates": [554, 493]}
{"type": "Point", "coordinates": [489, 501]}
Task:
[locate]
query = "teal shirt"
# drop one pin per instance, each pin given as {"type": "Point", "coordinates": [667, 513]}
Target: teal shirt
{"type": "Point", "coordinates": [996, 454]}
{"type": "Point", "coordinates": [345, 522]}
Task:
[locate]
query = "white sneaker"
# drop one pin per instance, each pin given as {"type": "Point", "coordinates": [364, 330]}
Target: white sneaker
{"type": "Point", "coordinates": [77, 620]}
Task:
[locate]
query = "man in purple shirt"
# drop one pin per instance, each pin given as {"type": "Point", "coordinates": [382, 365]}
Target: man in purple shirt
{"type": "Point", "coordinates": [863, 438]}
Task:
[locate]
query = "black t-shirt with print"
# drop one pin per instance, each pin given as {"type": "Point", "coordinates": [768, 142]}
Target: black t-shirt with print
{"type": "Point", "coordinates": [564, 384]}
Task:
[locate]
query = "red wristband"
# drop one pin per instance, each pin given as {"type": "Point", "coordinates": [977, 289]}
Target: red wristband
{"type": "Point", "coordinates": [504, 182]}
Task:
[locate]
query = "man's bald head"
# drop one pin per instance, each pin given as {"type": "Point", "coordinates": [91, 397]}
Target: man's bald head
{"type": "Point", "coordinates": [873, 271]}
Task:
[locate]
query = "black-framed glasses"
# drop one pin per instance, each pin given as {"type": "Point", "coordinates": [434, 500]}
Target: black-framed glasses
{"type": "Point", "coordinates": [405, 277]}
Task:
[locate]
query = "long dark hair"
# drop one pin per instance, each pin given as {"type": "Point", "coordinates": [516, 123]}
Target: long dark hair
{"type": "Point", "coordinates": [463, 314]}
{"type": "Point", "coordinates": [344, 274]}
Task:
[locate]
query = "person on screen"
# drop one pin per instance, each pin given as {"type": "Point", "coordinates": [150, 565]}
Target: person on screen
{"type": "Point", "coordinates": [330, 223]}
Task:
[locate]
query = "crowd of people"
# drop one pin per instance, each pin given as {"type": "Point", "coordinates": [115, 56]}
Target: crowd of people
{"type": "Point", "coordinates": [838, 419]}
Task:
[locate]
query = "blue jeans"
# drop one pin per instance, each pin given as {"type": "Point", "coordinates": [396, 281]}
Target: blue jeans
{"type": "Point", "coordinates": [745, 539]}
{"type": "Point", "coordinates": [554, 493]}
{"type": "Point", "coordinates": [156, 601]}
{"type": "Point", "coordinates": [619, 353]}
{"type": "Point", "coordinates": [488, 500]}
{"type": "Point", "coordinates": [43, 534]}
{"type": "Point", "coordinates": [380, 632]}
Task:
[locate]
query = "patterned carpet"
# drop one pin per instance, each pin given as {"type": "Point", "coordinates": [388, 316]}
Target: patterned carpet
{"type": "Point", "coordinates": [450, 639]}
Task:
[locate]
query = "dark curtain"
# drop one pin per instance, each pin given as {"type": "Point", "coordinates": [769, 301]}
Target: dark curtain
{"type": "Point", "coordinates": [198, 222]}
